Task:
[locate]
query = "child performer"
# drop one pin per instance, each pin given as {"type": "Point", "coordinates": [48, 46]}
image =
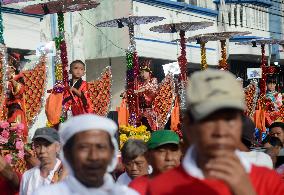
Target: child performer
{"type": "Point", "coordinates": [272, 94]}
{"type": "Point", "coordinates": [15, 101]}
{"type": "Point", "coordinates": [76, 97]}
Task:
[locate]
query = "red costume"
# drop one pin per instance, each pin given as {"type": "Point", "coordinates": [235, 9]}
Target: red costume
{"type": "Point", "coordinates": [177, 181]}
{"type": "Point", "coordinates": [147, 97]}
{"type": "Point", "coordinates": [78, 105]}
{"type": "Point", "coordinates": [15, 102]}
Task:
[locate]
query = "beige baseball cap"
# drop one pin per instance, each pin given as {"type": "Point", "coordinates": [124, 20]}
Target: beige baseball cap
{"type": "Point", "coordinates": [211, 90]}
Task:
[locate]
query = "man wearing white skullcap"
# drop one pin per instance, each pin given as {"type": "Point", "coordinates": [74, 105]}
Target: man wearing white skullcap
{"type": "Point", "coordinates": [89, 153]}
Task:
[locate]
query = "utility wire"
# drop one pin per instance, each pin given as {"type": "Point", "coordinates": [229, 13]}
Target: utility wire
{"type": "Point", "coordinates": [102, 33]}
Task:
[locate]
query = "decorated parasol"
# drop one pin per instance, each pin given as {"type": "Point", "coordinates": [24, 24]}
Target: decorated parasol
{"type": "Point", "coordinates": [7, 2]}
{"type": "Point", "coordinates": [63, 6]}
{"type": "Point", "coordinates": [4, 65]}
{"type": "Point", "coordinates": [181, 28]}
{"type": "Point", "coordinates": [202, 39]}
{"type": "Point", "coordinates": [265, 69]}
{"type": "Point", "coordinates": [132, 59]}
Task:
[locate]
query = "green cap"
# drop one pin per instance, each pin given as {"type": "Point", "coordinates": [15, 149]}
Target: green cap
{"type": "Point", "coordinates": [162, 137]}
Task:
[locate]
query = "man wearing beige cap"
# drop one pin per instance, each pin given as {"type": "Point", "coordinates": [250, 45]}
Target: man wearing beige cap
{"type": "Point", "coordinates": [213, 126]}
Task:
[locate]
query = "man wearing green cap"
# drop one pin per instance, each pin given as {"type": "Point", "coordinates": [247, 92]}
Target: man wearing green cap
{"type": "Point", "coordinates": [163, 154]}
{"type": "Point", "coordinates": [213, 164]}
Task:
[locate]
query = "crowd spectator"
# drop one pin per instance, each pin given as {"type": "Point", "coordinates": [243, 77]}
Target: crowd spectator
{"type": "Point", "coordinates": [134, 160]}
{"type": "Point", "coordinates": [213, 164]}
{"type": "Point", "coordinates": [163, 154]}
{"type": "Point", "coordinates": [89, 152]}
{"type": "Point", "coordinates": [46, 145]}
{"type": "Point", "coordinates": [248, 141]}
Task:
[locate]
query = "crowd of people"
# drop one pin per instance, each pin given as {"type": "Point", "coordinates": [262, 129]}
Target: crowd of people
{"type": "Point", "coordinates": [216, 155]}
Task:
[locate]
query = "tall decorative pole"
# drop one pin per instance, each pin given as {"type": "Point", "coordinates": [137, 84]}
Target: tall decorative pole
{"type": "Point", "coordinates": [202, 39]}
{"type": "Point", "coordinates": [132, 60]}
{"type": "Point", "coordinates": [204, 64]}
{"type": "Point", "coordinates": [263, 79]}
{"type": "Point", "coordinates": [223, 62]}
{"type": "Point", "coordinates": [181, 28]}
{"type": "Point", "coordinates": [3, 68]}
{"type": "Point", "coordinates": [265, 70]}
{"type": "Point", "coordinates": [59, 8]}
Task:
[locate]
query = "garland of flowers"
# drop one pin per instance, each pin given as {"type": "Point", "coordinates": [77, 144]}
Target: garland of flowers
{"type": "Point", "coordinates": [63, 48]}
{"type": "Point", "coordinates": [131, 132]}
{"type": "Point", "coordinates": [132, 79]}
{"type": "Point", "coordinates": [182, 61]}
{"type": "Point", "coordinates": [251, 98]}
{"type": "Point", "coordinates": [1, 26]}
{"type": "Point", "coordinates": [204, 64]}
{"type": "Point", "coordinates": [263, 79]}
{"type": "Point", "coordinates": [223, 62]}
{"type": "Point", "coordinates": [12, 145]}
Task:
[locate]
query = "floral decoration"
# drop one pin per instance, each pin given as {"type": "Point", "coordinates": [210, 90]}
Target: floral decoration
{"type": "Point", "coordinates": [131, 132]}
{"type": "Point", "coordinates": [12, 145]}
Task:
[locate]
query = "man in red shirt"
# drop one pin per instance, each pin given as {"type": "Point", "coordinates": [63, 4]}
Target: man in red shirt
{"type": "Point", "coordinates": [212, 164]}
{"type": "Point", "coordinates": [9, 180]}
{"type": "Point", "coordinates": [163, 154]}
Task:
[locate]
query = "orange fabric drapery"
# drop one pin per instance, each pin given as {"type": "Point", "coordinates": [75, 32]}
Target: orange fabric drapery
{"type": "Point", "coordinates": [175, 117]}
{"type": "Point", "coordinates": [123, 113]}
{"type": "Point", "coordinates": [53, 107]}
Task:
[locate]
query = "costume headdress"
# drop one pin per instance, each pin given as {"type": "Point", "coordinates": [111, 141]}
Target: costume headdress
{"type": "Point", "coordinates": [145, 66]}
{"type": "Point", "coordinates": [14, 60]}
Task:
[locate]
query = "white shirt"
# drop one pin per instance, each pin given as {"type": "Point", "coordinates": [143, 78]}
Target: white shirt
{"type": "Point", "coordinates": [258, 158]}
{"type": "Point", "coordinates": [190, 166]}
{"type": "Point", "coordinates": [123, 179]}
{"type": "Point", "coordinates": [32, 179]}
{"type": "Point", "coordinates": [71, 186]}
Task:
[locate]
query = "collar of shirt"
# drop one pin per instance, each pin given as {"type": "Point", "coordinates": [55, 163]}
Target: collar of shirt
{"type": "Point", "coordinates": [77, 187]}
{"type": "Point", "coordinates": [48, 179]}
{"type": "Point", "coordinates": [190, 166]}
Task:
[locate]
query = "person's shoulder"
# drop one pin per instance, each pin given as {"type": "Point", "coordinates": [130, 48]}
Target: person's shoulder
{"type": "Point", "coordinates": [139, 180]}
{"type": "Point", "coordinates": [30, 172]}
{"type": "Point", "coordinates": [174, 173]}
{"type": "Point", "coordinates": [266, 181]}
{"type": "Point", "coordinates": [58, 188]}
{"type": "Point", "coordinates": [265, 174]}
{"type": "Point", "coordinates": [123, 189]}
{"type": "Point", "coordinates": [263, 159]}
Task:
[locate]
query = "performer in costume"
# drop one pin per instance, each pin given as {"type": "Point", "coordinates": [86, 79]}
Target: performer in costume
{"type": "Point", "coordinates": [15, 102]}
{"type": "Point", "coordinates": [272, 94]}
{"type": "Point", "coordinates": [147, 86]}
{"type": "Point", "coordinates": [147, 91]}
{"type": "Point", "coordinates": [76, 97]}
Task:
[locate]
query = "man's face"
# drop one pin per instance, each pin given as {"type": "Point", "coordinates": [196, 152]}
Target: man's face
{"type": "Point", "coordinates": [46, 151]}
{"type": "Point", "coordinates": [277, 132]}
{"type": "Point", "coordinates": [220, 132]}
{"type": "Point", "coordinates": [77, 70]}
{"type": "Point", "coordinates": [90, 156]}
{"type": "Point", "coordinates": [136, 167]}
{"type": "Point", "coordinates": [165, 157]}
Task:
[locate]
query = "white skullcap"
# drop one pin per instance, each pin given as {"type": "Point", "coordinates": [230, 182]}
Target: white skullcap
{"type": "Point", "coordinates": [85, 122]}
